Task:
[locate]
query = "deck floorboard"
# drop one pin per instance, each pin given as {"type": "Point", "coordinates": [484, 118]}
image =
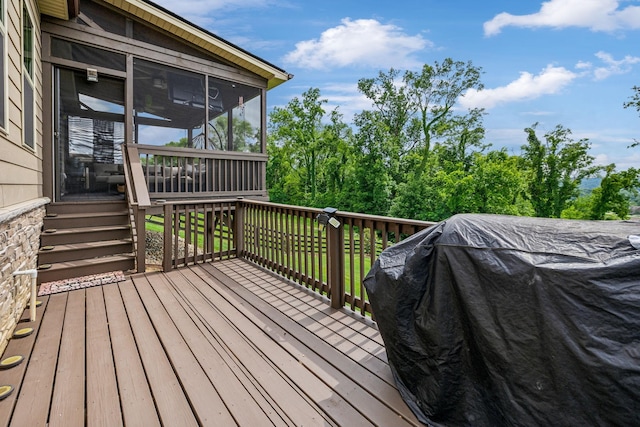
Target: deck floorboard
{"type": "Point", "coordinates": [138, 408]}
{"type": "Point", "coordinates": [68, 390]}
{"type": "Point", "coordinates": [224, 343]}
{"type": "Point", "coordinates": [19, 347]}
{"type": "Point", "coordinates": [32, 405]}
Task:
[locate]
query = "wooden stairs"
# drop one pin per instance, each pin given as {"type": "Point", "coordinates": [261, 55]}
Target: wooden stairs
{"type": "Point", "coordinates": [80, 239]}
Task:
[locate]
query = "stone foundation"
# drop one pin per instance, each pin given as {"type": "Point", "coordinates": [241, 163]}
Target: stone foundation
{"type": "Point", "coordinates": [20, 227]}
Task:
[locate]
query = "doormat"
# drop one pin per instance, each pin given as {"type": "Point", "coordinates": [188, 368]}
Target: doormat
{"type": "Point", "coordinates": [65, 285]}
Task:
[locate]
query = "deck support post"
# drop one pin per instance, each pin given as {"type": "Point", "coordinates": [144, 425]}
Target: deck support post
{"type": "Point", "coordinates": [141, 231]}
{"type": "Point", "coordinates": [238, 227]}
{"type": "Point", "coordinates": [167, 253]}
{"type": "Point", "coordinates": [335, 255]}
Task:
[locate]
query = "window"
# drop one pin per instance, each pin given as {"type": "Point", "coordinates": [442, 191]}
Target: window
{"type": "Point", "coordinates": [28, 95]}
{"type": "Point", "coordinates": [3, 66]}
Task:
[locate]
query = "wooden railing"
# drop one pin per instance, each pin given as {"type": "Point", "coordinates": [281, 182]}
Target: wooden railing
{"type": "Point", "coordinates": [138, 201]}
{"type": "Point", "coordinates": [331, 260]}
{"type": "Point", "coordinates": [155, 174]}
{"type": "Point", "coordinates": [179, 173]}
{"type": "Point", "coordinates": [288, 240]}
{"type": "Point", "coordinates": [198, 232]}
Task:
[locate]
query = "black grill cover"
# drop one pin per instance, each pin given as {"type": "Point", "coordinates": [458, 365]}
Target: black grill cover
{"type": "Point", "coordinates": [495, 320]}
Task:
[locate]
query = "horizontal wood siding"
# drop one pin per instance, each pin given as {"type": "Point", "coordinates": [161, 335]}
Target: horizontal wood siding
{"type": "Point", "coordinates": [21, 167]}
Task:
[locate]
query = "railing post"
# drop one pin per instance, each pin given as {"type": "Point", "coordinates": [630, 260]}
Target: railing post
{"type": "Point", "coordinates": [141, 230]}
{"type": "Point", "coordinates": [167, 256]}
{"type": "Point", "coordinates": [238, 227]}
{"type": "Point", "coordinates": [335, 253]}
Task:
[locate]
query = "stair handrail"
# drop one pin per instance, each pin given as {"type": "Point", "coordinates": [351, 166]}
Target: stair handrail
{"type": "Point", "coordinates": [136, 188]}
{"type": "Point", "coordinates": [138, 200]}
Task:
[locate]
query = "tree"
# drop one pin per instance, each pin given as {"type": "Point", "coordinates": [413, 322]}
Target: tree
{"type": "Point", "coordinates": [498, 185]}
{"type": "Point", "coordinates": [417, 110]}
{"type": "Point", "coordinates": [614, 193]}
{"type": "Point", "coordinates": [369, 185]}
{"type": "Point", "coordinates": [434, 92]}
{"type": "Point", "coordinates": [298, 129]}
{"type": "Point", "coordinates": [283, 183]}
{"type": "Point", "coordinates": [304, 144]}
{"type": "Point", "coordinates": [489, 183]}
{"type": "Point", "coordinates": [334, 165]}
{"type": "Point", "coordinates": [556, 168]}
{"type": "Point", "coordinates": [463, 138]}
{"type": "Point", "coordinates": [634, 103]}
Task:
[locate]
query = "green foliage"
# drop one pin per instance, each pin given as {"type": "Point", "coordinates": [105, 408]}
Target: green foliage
{"type": "Point", "coordinates": [368, 186]}
{"type": "Point", "coordinates": [579, 208]}
{"type": "Point", "coordinates": [415, 110]}
{"type": "Point", "coordinates": [610, 197]}
{"type": "Point", "coordinates": [306, 153]}
{"type": "Point", "coordinates": [555, 167]}
{"type": "Point", "coordinates": [414, 155]}
{"type": "Point", "coordinates": [634, 103]}
{"type": "Point", "coordinates": [493, 184]}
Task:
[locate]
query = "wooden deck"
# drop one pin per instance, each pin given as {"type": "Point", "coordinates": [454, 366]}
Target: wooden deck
{"type": "Point", "coordinates": [220, 344]}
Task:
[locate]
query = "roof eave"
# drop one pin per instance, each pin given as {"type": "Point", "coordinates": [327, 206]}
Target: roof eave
{"type": "Point", "coordinates": [168, 21]}
{"type": "Point", "coordinates": [61, 9]}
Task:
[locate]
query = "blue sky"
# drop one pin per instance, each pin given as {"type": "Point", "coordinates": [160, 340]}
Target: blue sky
{"type": "Point", "coordinates": [568, 62]}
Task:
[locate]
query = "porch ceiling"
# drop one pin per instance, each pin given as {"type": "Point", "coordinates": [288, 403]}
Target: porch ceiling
{"type": "Point", "coordinates": [176, 25]}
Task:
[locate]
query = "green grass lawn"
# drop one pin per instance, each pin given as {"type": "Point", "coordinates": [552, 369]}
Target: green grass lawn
{"type": "Point", "coordinates": [290, 253]}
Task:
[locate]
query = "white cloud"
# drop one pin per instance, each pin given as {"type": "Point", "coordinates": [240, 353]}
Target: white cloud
{"type": "Point", "coordinates": [612, 66]}
{"type": "Point", "coordinates": [363, 42]}
{"type": "Point", "coordinates": [582, 65]}
{"type": "Point", "coordinates": [597, 15]}
{"type": "Point", "coordinates": [347, 98]}
{"type": "Point", "coordinates": [549, 81]}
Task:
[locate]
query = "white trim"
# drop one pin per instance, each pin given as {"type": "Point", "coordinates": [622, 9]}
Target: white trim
{"type": "Point", "coordinates": [30, 77]}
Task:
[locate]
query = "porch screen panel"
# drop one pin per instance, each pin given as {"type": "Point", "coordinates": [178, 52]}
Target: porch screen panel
{"type": "Point", "coordinates": [169, 105]}
{"type": "Point", "coordinates": [78, 52]}
{"type": "Point", "coordinates": [234, 116]}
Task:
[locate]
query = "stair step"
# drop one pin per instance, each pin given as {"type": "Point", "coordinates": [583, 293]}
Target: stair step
{"type": "Point", "coordinates": [86, 250]}
{"type": "Point", "coordinates": [83, 238]}
{"type": "Point", "coordinates": [85, 267]}
{"type": "Point", "coordinates": [53, 237]}
{"type": "Point", "coordinates": [86, 207]}
{"type": "Point", "coordinates": [95, 219]}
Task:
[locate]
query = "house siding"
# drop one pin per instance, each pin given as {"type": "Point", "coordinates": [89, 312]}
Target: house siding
{"type": "Point", "coordinates": [21, 166]}
{"type": "Point", "coordinates": [22, 207]}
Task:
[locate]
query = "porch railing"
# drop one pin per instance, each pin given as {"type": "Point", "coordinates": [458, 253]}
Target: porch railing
{"type": "Point", "coordinates": [154, 174]}
{"type": "Point", "coordinates": [179, 173]}
{"type": "Point", "coordinates": [287, 240]}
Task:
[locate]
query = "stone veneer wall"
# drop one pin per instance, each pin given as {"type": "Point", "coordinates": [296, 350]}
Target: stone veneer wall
{"type": "Point", "coordinates": [20, 227]}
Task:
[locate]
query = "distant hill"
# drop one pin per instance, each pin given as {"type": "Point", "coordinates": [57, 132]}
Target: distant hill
{"type": "Point", "coordinates": [588, 184]}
